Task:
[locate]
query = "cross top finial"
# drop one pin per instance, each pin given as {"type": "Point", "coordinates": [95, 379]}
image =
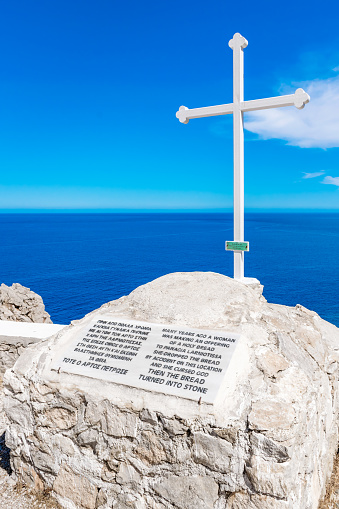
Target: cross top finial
{"type": "Point", "coordinates": [238, 41]}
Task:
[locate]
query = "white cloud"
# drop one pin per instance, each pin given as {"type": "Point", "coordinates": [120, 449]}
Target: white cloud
{"type": "Point", "coordinates": [331, 180]}
{"type": "Point", "coordinates": [336, 69]}
{"type": "Point", "coordinates": [317, 125]}
{"type": "Point", "coordinates": [312, 175]}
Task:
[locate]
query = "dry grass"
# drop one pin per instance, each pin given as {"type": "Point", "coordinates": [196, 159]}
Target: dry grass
{"type": "Point", "coordinates": [331, 500]}
{"type": "Point", "coordinates": [43, 499]}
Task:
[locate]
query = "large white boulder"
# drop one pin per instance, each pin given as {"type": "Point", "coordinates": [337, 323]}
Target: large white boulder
{"type": "Point", "coordinates": [267, 442]}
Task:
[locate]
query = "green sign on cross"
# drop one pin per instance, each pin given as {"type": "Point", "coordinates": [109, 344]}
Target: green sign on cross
{"type": "Point", "coordinates": [237, 246]}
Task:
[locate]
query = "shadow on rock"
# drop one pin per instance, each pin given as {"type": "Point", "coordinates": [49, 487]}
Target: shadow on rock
{"type": "Point", "coordinates": [4, 455]}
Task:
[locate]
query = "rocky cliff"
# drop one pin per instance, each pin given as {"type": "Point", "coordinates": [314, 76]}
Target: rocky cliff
{"type": "Point", "coordinates": [20, 304]}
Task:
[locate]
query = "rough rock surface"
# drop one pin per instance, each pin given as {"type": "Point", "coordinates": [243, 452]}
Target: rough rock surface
{"type": "Point", "coordinates": [10, 351]}
{"type": "Point", "coordinates": [16, 336]}
{"type": "Point", "coordinates": [20, 304]}
{"type": "Point", "coordinates": [268, 444]}
{"type": "Point", "coordinates": [12, 494]}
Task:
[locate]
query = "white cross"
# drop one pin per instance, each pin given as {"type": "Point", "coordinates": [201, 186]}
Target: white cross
{"type": "Point", "coordinates": [298, 99]}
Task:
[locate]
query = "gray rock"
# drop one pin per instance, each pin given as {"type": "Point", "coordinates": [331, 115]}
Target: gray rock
{"type": "Point", "coordinates": [111, 420]}
{"type": "Point", "coordinates": [191, 492]}
{"type": "Point", "coordinates": [89, 438]}
{"type": "Point", "coordinates": [247, 501]}
{"type": "Point", "coordinates": [268, 449]}
{"type": "Point", "coordinates": [148, 416]}
{"type": "Point", "coordinates": [213, 452]}
{"type": "Point", "coordinates": [127, 474]}
{"type": "Point", "coordinates": [270, 478]}
{"type": "Point", "coordinates": [64, 444]}
{"type": "Point", "coordinates": [44, 461]}
{"type": "Point", "coordinates": [18, 413]}
{"type": "Point", "coordinates": [173, 426]}
{"type": "Point", "coordinates": [151, 449]}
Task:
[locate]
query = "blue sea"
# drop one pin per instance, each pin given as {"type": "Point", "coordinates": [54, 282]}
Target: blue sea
{"type": "Point", "coordinates": [76, 262]}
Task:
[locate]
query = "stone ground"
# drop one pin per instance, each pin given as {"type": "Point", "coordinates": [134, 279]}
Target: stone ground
{"type": "Point", "coordinates": [14, 496]}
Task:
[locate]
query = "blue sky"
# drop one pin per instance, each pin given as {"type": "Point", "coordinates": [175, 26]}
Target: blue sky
{"type": "Point", "coordinates": [89, 92]}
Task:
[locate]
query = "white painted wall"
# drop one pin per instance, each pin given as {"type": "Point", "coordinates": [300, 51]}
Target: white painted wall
{"type": "Point", "coordinates": [28, 330]}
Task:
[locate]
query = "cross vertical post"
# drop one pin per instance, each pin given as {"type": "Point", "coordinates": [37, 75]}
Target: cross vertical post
{"type": "Point", "coordinates": [237, 44]}
{"type": "Point", "coordinates": [237, 108]}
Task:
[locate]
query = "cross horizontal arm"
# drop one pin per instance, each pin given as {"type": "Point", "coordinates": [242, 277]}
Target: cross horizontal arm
{"type": "Point", "coordinates": [298, 99]}
{"type": "Point", "coordinates": [184, 114]}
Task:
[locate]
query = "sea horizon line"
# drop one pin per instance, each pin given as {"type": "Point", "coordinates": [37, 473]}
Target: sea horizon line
{"type": "Point", "coordinates": [169, 211]}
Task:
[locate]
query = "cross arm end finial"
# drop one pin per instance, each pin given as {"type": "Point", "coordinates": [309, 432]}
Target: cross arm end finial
{"type": "Point", "coordinates": [301, 98]}
{"type": "Point", "coordinates": [238, 40]}
{"type": "Point", "coordinates": [181, 115]}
